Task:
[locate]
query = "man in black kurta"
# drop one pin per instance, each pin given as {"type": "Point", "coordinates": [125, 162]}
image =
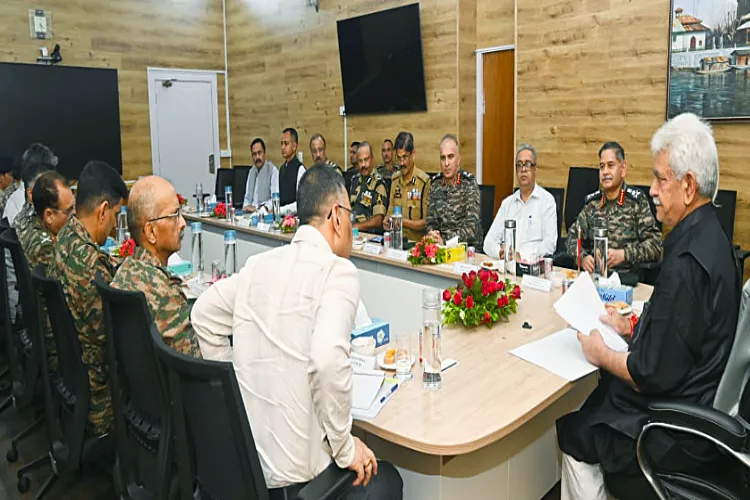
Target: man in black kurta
{"type": "Point", "coordinates": [682, 341]}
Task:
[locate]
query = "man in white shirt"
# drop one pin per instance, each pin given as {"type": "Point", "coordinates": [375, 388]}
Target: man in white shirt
{"type": "Point", "coordinates": [262, 181]}
{"type": "Point", "coordinates": [533, 209]}
{"type": "Point", "coordinates": [291, 311]}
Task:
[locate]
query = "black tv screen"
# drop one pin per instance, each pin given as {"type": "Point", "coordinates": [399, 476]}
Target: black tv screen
{"type": "Point", "coordinates": [381, 62]}
{"type": "Point", "coordinates": [74, 111]}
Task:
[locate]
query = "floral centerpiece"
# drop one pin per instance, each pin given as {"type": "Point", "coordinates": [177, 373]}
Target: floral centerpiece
{"type": "Point", "coordinates": [127, 248]}
{"type": "Point", "coordinates": [480, 298]}
{"type": "Point", "coordinates": [220, 210]}
{"type": "Point", "coordinates": [426, 251]}
{"type": "Point", "coordinates": [289, 224]}
{"type": "Point", "coordinates": [181, 199]}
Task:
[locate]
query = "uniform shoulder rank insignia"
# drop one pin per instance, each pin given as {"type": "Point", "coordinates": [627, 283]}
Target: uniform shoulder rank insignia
{"type": "Point", "coordinates": [467, 175]}
{"type": "Point", "coordinates": [593, 196]}
{"type": "Point", "coordinates": [634, 193]}
{"type": "Point", "coordinates": [46, 238]}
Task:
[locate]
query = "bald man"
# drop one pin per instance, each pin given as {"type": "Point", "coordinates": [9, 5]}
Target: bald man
{"type": "Point", "coordinates": [156, 224]}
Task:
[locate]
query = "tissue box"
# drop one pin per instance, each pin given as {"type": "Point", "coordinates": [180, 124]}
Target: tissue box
{"type": "Point", "coordinates": [184, 268]}
{"type": "Point", "coordinates": [614, 293]}
{"type": "Point", "coordinates": [379, 330]}
{"type": "Point", "coordinates": [456, 254]}
{"type": "Point", "coordinates": [530, 268]}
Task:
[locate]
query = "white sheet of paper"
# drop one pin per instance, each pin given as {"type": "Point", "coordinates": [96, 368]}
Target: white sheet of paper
{"type": "Point", "coordinates": [581, 307]}
{"type": "Point", "coordinates": [559, 353]}
{"type": "Point", "coordinates": [365, 387]}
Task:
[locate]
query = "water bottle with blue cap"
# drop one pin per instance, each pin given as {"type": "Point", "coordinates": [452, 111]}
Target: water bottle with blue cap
{"type": "Point", "coordinates": [197, 247]}
{"type": "Point", "coordinates": [230, 252]}
{"type": "Point", "coordinates": [397, 229]}
{"type": "Point", "coordinates": [229, 203]}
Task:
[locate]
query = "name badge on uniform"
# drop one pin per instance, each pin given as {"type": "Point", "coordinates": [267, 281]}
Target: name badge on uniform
{"type": "Point", "coordinates": [367, 198]}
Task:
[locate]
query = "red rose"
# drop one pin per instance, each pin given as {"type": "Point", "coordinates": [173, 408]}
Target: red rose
{"type": "Point", "coordinates": [516, 293]}
{"type": "Point", "coordinates": [471, 281]}
{"type": "Point", "coordinates": [501, 285]}
{"type": "Point", "coordinates": [473, 274]}
{"type": "Point", "coordinates": [457, 298]}
{"type": "Point", "coordinates": [495, 276]}
{"type": "Point", "coordinates": [502, 301]}
{"type": "Point", "coordinates": [485, 289]}
{"type": "Point", "coordinates": [469, 302]}
{"type": "Point", "coordinates": [446, 295]}
{"type": "Point", "coordinates": [486, 317]}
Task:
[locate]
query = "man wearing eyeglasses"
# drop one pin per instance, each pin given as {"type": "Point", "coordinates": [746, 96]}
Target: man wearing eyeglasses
{"type": "Point", "coordinates": [410, 189]}
{"type": "Point", "coordinates": [291, 347]}
{"type": "Point", "coordinates": [533, 209]}
{"type": "Point", "coordinates": [156, 224]}
{"type": "Point", "coordinates": [633, 237]}
{"type": "Point", "coordinates": [369, 197]}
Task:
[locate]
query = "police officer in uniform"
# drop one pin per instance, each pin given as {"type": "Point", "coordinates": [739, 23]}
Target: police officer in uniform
{"type": "Point", "coordinates": [633, 237]}
{"type": "Point", "coordinates": [410, 189]}
{"type": "Point", "coordinates": [368, 194]}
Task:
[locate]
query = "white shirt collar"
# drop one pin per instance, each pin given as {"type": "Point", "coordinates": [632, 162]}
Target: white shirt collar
{"type": "Point", "coordinates": [534, 193]}
{"type": "Point", "coordinates": [310, 234]}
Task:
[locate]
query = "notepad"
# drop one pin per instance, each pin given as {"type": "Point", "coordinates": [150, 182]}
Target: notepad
{"type": "Point", "coordinates": [366, 385]}
{"type": "Point", "coordinates": [559, 353]}
{"type": "Point", "coordinates": [383, 396]}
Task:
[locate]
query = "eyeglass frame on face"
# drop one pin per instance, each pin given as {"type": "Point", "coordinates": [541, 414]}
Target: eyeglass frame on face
{"type": "Point", "coordinates": [404, 158]}
{"type": "Point", "coordinates": [68, 211]}
{"type": "Point", "coordinates": [352, 217]}
{"type": "Point", "coordinates": [526, 165]}
{"type": "Point", "coordinates": [175, 215]}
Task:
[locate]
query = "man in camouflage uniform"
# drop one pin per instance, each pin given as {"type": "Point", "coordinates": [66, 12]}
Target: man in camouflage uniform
{"type": "Point", "coordinates": [454, 203]}
{"type": "Point", "coordinates": [54, 204]}
{"type": "Point", "coordinates": [410, 189]}
{"type": "Point", "coordinates": [78, 257]}
{"type": "Point", "coordinates": [27, 214]}
{"type": "Point", "coordinates": [8, 184]}
{"type": "Point", "coordinates": [155, 222]}
{"type": "Point", "coordinates": [369, 197]}
{"type": "Point", "coordinates": [389, 168]}
{"type": "Point", "coordinates": [318, 151]}
{"type": "Point", "coordinates": [633, 237]}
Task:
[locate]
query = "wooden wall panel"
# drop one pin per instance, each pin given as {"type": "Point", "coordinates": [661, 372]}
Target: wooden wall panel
{"type": "Point", "coordinates": [594, 71]}
{"type": "Point", "coordinates": [128, 35]}
{"type": "Point", "coordinates": [467, 82]}
{"type": "Point", "coordinates": [495, 23]}
{"type": "Point", "coordinates": [284, 70]}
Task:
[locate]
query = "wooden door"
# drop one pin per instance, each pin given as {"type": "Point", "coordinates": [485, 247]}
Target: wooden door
{"type": "Point", "coordinates": [498, 148]}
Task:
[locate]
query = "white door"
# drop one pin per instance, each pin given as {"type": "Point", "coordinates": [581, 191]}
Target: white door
{"type": "Point", "coordinates": [184, 112]}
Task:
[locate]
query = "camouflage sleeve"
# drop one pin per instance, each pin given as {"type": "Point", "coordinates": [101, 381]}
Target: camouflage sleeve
{"type": "Point", "coordinates": [431, 224]}
{"type": "Point", "coordinates": [426, 197]}
{"type": "Point", "coordinates": [649, 246]}
{"type": "Point", "coordinates": [470, 224]}
{"type": "Point", "coordinates": [90, 304]}
{"type": "Point", "coordinates": [381, 200]}
{"type": "Point", "coordinates": [571, 241]}
{"type": "Point", "coordinates": [171, 314]}
{"type": "Point", "coordinates": [46, 257]}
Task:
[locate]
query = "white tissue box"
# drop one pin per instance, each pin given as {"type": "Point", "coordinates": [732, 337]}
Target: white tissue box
{"type": "Point", "coordinates": [379, 330]}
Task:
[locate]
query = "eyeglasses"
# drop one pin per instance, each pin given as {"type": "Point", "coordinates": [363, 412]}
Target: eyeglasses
{"type": "Point", "coordinates": [405, 157]}
{"type": "Point", "coordinates": [351, 214]}
{"type": "Point", "coordinates": [177, 214]}
{"type": "Point", "coordinates": [525, 165]}
{"type": "Point", "coordinates": [68, 211]}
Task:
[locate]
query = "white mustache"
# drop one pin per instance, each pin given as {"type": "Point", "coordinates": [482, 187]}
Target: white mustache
{"type": "Point", "coordinates": [607, 178]}
{"type": "Point", "coordinates": [656, 201]}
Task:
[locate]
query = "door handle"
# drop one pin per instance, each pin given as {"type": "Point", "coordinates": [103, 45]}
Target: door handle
{"type": "Point", "coordinates": [211, 164]}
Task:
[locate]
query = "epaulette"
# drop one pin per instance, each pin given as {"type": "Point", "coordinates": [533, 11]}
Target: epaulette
{"type": "Point", "coordinates": [634, 193]}
{"type": "Point", "coordinates": [396, 175]}
{"type": "Point", "coordinates": [594, 196]}
{"type": "Point", "coordinates": [466, 175]}
{"type": "Point", "coordinates": [422, 175]}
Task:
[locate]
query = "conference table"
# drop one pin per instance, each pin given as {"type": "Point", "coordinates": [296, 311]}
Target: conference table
{"type": "Point", "coordinates": [489, 432]}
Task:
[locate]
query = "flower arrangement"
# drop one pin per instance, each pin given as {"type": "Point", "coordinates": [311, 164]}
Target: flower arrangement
{"type": "Point", "coordinates": [426, 251]}
{"type": "Point", "coordinates": [289, 224]}
{"type": "Point", "coordinates": [220, 210]}
{"type": "Point", "coordinates": [127, 248]}
{"type": "Point", "coordinates": [480, 298]}
{"type": "Point", "coordinates": [181, 199]}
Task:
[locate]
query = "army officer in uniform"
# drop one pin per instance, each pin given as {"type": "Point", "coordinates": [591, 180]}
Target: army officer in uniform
{"type": "Point", "coordinates": [368, 195]}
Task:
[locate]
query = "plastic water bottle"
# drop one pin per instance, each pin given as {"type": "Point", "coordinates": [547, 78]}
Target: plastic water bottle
{"type": "Point", "coordinates": [601, 244]}
{"type": "Point", "coordinates": [431, 339]}
{"type": "Point", "coordinates": [197, 248]}
{"type": "Point", "coordinates": [276, 205]}
{"type": "Point", "coordinates": [122, 225]}
{"type": "Point", "coordinates": [199, 198]}
{"type": "Point", "coordinates": [510, 246]}
{"type": "Point", "coordinates": [229, 204]}
{"type": "Point", "coordinates": [230, 252]}
{"type": "Point", "coordinates": [397, 229]}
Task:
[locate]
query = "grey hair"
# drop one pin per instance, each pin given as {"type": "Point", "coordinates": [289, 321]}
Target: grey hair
{"type": "Point", "coordinates": [450, 137]}
{"type": "Point", "coordinates": [526, 147]}
{"type": "Point", "coordinates": [692, 148]}
{"type": "Point", "coordinates": [364, 144]}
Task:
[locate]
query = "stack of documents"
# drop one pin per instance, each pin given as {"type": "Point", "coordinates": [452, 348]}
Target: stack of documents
{"type": "Point", "coordinates": [561, 353]}
{"type": "Point", "coordinates": [371, 391]}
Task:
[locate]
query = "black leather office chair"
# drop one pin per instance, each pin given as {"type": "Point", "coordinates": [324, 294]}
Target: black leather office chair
{"type": "Point", "coordinates": [725, 425]}
{"type": "Point", "coordinates": [348, 176]}
{"type": "Point", "coordinates": [224, 178]}
{"type": "Point", "coordinates": [66, 392]}
{"type": "Point", "coordinates": [24, 355]}
{"type": "Point", "coordinates": [486, 206]}
{"type": "Point", "coordinates": [5, 384]}
{"type": "Point", "coordinates": [559, 195]}
{"type": "Point", "coordinates": [726, 206]}
{"type": "Point", "coordinates": [582, 181]}
{"type": "Point", "coordinates": [211, 425]}
{"type": "Point", "coordinates": [239, 184]}
{"type": "Point", "coordinates": [649, 271]}
{"type": "Point", "coordinates": [141, 404]}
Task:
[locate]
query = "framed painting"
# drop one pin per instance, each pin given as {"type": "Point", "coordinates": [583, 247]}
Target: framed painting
{"type": "Point", "coordinates": [709, 59]}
